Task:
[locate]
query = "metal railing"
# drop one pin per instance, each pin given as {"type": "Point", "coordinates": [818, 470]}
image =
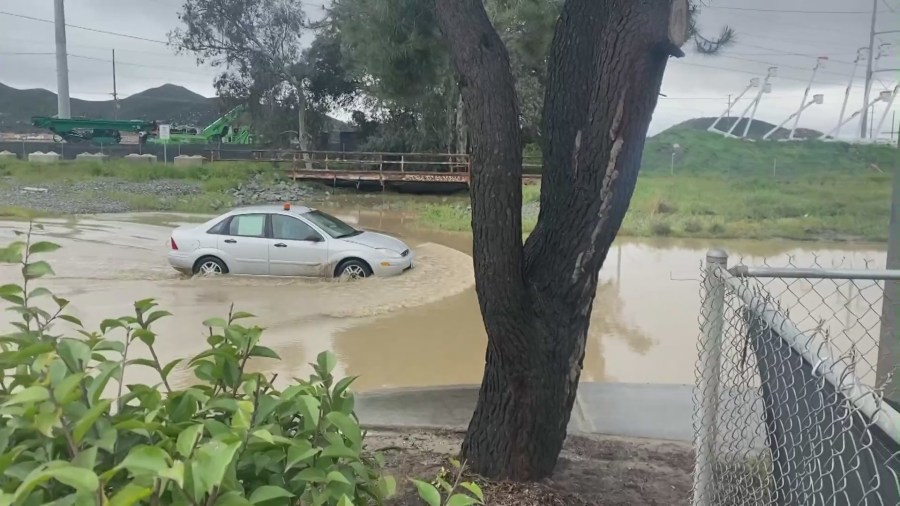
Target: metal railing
{"type": "Point", "coordinates": [790, 405]}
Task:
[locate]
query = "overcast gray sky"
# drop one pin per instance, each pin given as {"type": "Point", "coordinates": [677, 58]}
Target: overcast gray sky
{"type": "Point", "coordinates": [789, 34]}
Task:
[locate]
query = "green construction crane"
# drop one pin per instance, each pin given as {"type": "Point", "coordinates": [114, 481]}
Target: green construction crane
{"type": "Point", "coordinates": [98, 131]}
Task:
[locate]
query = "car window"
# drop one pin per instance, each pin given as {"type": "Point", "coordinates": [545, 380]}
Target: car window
{"type": "Point", "coordinates": [248, 225]}
{"type": "Point", "coordinates": [333, 226]}
{"type": "Point", "coordinates": [219, 228]}
{"type": "Point", "coordinates": [285, 227]}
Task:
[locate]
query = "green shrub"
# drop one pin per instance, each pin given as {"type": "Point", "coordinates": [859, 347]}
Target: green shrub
{"type": "Point", "coordinates": [72, 432]}
{"type": "Point", "coordinates": [692, 227]}
{"type": "Point", "coordinates": [660, 228]}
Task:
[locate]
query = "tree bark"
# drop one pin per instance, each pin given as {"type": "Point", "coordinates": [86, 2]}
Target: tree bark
{"type": "Point", "coordinates": [606, 66]}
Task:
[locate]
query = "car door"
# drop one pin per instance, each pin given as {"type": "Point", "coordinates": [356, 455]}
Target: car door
{"type": "Point", "coordinates": [245, 241]}
{"type": "Point", "coordinates": [295, 248]}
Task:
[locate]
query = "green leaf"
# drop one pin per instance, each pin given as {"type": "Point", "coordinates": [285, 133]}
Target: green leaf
{"type": "Point", "coordinates": [168, 367]}
{"type": "Point", "coordinates": [15, 299]}
{"type": "Point", "coordinates": [428, 493]}
{"type": "Point", "coordinates": [461, 500]}
{"type": "Point", "coordinates": [233, 498]}
{"type": "Point", "coordinates": [337, 477]}
{"type": "Point", "coordinates": [264, 435]}
{"type": "Point", "coordinates": [345, 501]}
{"type": "Point", "coordinates": [144, 305]}
{"type": "Point", "coordinates": [60, 302]}
{"type": "Point", "coordinates": [11, 290]}
{"type": "Point", "coordinates": [146, 336]}
{"type": "Point", "coordinates": [241, 314]}
{"type": "Point", "coordinates": [211, 462]}
{"type": "Point", "coordinates": [326, 362]}
{"type": "Point", "coordinates": [130, 495]}
{"type": "Point", "coordinates": [312, 475]}
{"type": "Point", "coordinates": [145, 459]}
{"type": "Point", "coordinates": [98, 384]}
{"type": "Point", "coordinates": [42, 247]}
{"type": "Point", "coordinates": [110, 323]}
{"type": "Point", "coordinates": [71, 319]}
{"type": "Point", "coordinates": [39, 292]}
{"type": "Point", "coordinates": [37, 269]}
{"type": "Point", "coordinates": [86, 459]}
{"type": "Point", "coordinates": [300, 452]}
{"type": "Point", "coordinates": [174, 473]}
{"type": "Point", "coordinates": [262, 351]}
{"type": "Point", "coordinates": [12, 254]}
{"type": "Point", "coordinates": [84, 424]}
{"type": "Point", "coordinates": [156, 315]}
{"type": "Point", "coordinates": [75, 353]}
{"type": "Point", "coordinates": [342, 385]}
{"type": "Point", "coordinates": [309, 408]}
{"type": "Point", "coordinates": [388, 486]}
{"type": "Point", "coordinates": [348, 427]}
{"type": "Point", "coordinates": [474, 489]}
{"type": "Point", "coordinates": [29, 395]}
{"type": "Point", "coordinates": [82, 480]}
{"type": "Point", "coordinates": [215, 322]}
{"type": "Point", "coordinates": [267, 493]}
{"type": "Point", "coordinates": [45, 421]}
{"type": "Point", "coordinates": [339, 451]}
{"type": "Point", "coordinates": [187, 439]}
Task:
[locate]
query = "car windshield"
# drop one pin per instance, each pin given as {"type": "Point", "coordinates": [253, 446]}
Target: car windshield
{"type": "Point", "coordinates": [333, 226]}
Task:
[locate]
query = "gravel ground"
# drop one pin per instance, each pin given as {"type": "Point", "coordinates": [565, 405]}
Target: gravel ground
{"type": "Point", "coordinates": [88, 197]}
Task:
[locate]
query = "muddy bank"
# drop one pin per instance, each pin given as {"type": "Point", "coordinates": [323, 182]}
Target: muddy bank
{"type": "Point", "coordinates": [592, 471]}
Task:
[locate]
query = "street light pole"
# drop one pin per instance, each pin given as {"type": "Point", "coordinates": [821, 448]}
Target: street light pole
{"type": "Point", "coordinates": [62, 64]}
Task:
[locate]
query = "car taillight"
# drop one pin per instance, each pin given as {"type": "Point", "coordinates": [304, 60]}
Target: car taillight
{"type": "Point", "coordinates": [174, 246]}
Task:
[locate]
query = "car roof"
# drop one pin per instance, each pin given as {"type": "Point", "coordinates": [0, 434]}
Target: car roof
{"type": "Point", "coordinates": [279, 209]}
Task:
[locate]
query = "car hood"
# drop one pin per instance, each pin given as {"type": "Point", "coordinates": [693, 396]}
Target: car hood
{"type": "Point", "coordinates": [376, 240]}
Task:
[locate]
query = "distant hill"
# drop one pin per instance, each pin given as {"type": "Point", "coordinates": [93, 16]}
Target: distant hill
{"type": "Point", "coordinates": [167, 103]}
{"type": "Point", "coordinates": [757, 128]}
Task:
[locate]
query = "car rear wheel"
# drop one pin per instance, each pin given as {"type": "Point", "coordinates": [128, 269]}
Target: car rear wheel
{"type": "Point", "coordinates": [209, 266]}
{"type": "Point", "coordinates": [352, 270]}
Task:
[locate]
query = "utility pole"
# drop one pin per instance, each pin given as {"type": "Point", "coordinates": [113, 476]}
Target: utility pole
{"type": "Point", "coordinates": [820, 61]}
{"type": "Point", "coordinates": [115, 94]}
{"type": "Point", "coordinates": [62, 63]}
{"type": "Point", "coordinates": [859, 56]}
{"type": "Point", "coordinates": [863, 120]}
{"type": "Point", "coordinates": [887, 374]}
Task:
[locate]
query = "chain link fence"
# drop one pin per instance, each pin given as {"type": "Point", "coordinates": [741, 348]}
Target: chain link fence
{"type": "Point", "coordinates": [789, 401]}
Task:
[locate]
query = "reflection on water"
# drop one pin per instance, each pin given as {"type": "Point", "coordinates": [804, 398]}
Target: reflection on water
{"type": "Point", "coordinates": [422, 328]}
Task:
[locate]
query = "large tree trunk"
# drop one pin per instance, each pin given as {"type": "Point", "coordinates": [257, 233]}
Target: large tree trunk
{"type": "Point", "coordinates": [606, 66]}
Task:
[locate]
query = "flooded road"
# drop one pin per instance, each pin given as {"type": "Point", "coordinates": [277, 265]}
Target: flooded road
{"type": "Point", "coordinates": [419, 329]}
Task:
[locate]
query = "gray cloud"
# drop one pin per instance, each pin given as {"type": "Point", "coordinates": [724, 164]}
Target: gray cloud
{"type": "Point", "coordinates": [696, 85]}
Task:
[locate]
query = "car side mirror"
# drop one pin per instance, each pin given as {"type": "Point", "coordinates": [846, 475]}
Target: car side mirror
{"type": "Point", "coordinates": [314, 238]}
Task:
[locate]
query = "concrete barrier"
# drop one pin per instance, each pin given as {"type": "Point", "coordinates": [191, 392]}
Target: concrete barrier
{"type": "Point", "coordinates": [6, 155]}
{"type": "Point", "coordinates": [91, 157]}
{"type": "Point", "coordinates": [48, 157]}
{"type": "Point", "coordinates": [188, 161]}
{"type": "Point", "coordinates": [140, 158]}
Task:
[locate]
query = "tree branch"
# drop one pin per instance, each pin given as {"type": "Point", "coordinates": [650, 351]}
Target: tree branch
{"type": "Point", "coordinates": [492, 114]}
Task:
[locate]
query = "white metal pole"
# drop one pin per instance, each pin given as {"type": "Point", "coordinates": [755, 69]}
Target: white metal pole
{"type": "Point", "coordinates": [707, 395]}
{"type": "Point", "coordinates": [795, 114]}
{"type": "Point", "coordinates": [62, 63]}
{"type": "Point", "coordinates": [886, 109]}
{"type": "Point", "coordinates": [865, 112]}
{"type": "Point", "coordinates": [753, 82]}
{"type": "Point", "coordinates": [851, 118]}
{"type": "Point", "coordinates": [739, 118]}
{"type": "Point", "coordinates": [803, 104]}
{"type": "Point", "coordinates": [859, 54]}
{"type": "Point", "coordinates": [763, 89]}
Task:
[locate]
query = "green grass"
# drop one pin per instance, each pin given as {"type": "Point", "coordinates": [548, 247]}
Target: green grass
{"type": "Point", "coordinates": [838, 207]}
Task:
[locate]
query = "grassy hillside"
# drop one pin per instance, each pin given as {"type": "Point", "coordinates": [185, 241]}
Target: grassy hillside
{"type": "Point", "coordinates": [702, 152]}
{"type": "Point", "coordinates": [168, 103]}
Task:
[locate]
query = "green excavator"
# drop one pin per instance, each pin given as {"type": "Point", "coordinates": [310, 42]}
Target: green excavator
{"type": "Point", "coordinates": [107, 131]}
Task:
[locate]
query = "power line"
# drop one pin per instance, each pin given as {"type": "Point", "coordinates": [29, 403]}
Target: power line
{"type": "Point", "coordinates": [784, 11]}
{"type": "Point", "coordinates": [96, 30]}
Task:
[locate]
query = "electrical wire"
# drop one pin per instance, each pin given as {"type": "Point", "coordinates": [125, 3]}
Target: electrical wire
{"type": "Point", "coordinates": [96, 30]}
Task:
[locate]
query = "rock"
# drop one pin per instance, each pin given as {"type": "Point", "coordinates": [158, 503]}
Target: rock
{"type": "Point", "coordinates": [6, 155]}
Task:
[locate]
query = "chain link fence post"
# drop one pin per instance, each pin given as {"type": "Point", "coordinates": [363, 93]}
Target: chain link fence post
{"type": "Point", "coordinates": [713, 317]}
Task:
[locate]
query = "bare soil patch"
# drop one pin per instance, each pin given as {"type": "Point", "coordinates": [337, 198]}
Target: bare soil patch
{"type": "Point", "coordinates": [592, 470]}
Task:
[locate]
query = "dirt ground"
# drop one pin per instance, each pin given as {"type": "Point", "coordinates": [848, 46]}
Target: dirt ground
{"type": "Point", "coordinates": [592, 470]}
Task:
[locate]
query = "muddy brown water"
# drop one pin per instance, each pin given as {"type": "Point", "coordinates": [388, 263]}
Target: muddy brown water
{"type": "Point", "coordinates": [419, 329]}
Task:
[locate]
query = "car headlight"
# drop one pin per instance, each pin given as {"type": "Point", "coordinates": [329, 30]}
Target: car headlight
{"type": "Point", "coordinates": [389, 253]}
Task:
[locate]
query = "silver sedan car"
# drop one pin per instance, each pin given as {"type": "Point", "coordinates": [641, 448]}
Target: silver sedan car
{"type": "Point", "coordinates": [285, 241]}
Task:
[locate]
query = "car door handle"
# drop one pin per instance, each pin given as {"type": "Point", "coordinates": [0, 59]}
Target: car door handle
{"type": "Point", "coordinates": [230, 241]}
{"type": "Point", "coordinates": [280, 245]}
